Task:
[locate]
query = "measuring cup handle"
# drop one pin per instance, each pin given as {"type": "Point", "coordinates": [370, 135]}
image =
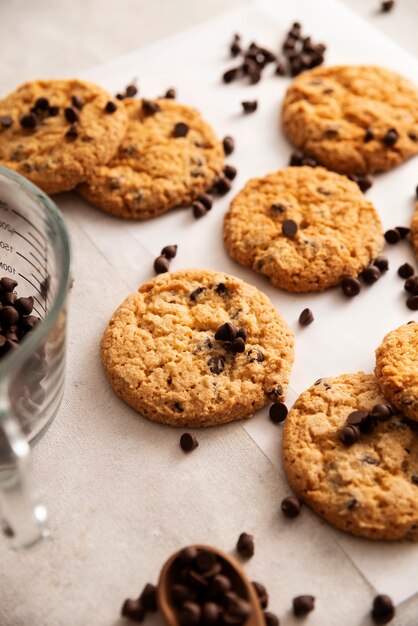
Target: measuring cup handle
{"type": "Point", "coordinates": [22, 518]}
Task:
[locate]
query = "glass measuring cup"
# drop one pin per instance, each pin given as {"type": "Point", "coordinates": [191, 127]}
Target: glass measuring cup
{"type": "Point", "coordinates": [35, 252]}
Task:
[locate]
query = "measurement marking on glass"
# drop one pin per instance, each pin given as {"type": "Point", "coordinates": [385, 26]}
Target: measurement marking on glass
{"type": "Point", "coordinates": [34, 286]}
{"type": "Point", "coordinates": [40, 243]}
{"type": "Point", "coordinates": [41, 315]}
{"type": "Point", "coordinates": [29, 242]}
{"type": "Point", "coordinates": [28, 222]}
{"type": "Point", "coordinates": [30, 263]}
{"type": "Point", "coordinates": [36, 258]}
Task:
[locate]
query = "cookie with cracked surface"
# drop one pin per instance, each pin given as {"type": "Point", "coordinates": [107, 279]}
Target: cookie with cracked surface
{"type": "Point", "coordinates": [369, 489]}
{"type": "Point", "coordinates": [55, 132]}
{"type": "Point", "coordinates": [169, 156]}
{"type": "Point", "coordinates": [414, 229]}
{"type": "Point", "coordinates": [342, 115]}
{"type": "Point", "coordinates": [397, 368]}
{"type": "Point", "coordinates": [160, 353]}
{"type": "Point", "coordinates": [338, 230]}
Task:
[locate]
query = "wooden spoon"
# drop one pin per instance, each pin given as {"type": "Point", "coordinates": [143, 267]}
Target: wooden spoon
{"type": "Point", "coordinates": [235, 572]}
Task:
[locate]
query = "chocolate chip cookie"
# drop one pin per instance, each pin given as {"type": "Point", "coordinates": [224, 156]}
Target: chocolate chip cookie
{"type": "Point", "coordinates": [305, 228]}
{"type": "Point", "coordinates": [353, 119]}
{"type": "Point", "coordinates": [169, 156]}
{"type": "Point", "coordinates": [197, 348]}
{"type": "Point", "coordinates": [397, 368]}
{"type": "Point", "coordinates": [370, 488]}
{"type": "Point", "coordinates": [54, 132]}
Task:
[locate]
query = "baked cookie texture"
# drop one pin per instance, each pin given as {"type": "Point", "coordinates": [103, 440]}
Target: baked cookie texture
{"type": "Point", "coordinates": [153, 169]}
{"type": "Point", "coordinates": [328, 111]}
{"type": "Point", "coordinates": [414, 229]}
{"type": "Point", "coordinates": [44, 154]}
{"type": "Point", "coordinates": [339, 231]}
{"type": "Point", "coordinates": [397, 368]}
{"type": "Point", "coordinates": [369, 489]}
{"type": "Point", "coordinates": [161, 357]}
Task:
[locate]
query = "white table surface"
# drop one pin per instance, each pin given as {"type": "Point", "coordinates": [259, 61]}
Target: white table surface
{"type": "Point", "coordinates": [47, 38]}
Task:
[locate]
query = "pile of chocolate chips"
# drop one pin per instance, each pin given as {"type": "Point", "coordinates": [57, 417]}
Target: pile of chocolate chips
{"type": "Point", "coordinates": [364, 422]}
{"type": "Point", "coordinates": [15, 316]}
{"type": "Point", "coordinates": [162, 262]}
{"type": "Point", "coordinates": [137, 609]}
{"type": "Point", "coordinates": [233, 338]}
{"type": "Point", "coordinates": [254, 59]}
{"type": "Point", "coordinates": [301, 52]}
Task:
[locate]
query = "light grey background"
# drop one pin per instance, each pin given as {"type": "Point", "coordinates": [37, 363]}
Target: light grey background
{"type": "Point", "coordinates": [52, 38]}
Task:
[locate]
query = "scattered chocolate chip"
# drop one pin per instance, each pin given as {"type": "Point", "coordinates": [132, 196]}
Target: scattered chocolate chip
{"type": "Point", "coordinates": [71, 115]}
{"type": "Point", "coordinates": [371, 274]}
{"type": "Point", "coordinates": [291, 507]}
{"type": "Point", "coordinates": [53, 111]}
{"type": "Point", "coordinates": [350, 286]}
{"type": "Point", "coordinates": [245, 545]}
{"type": "Point", "coordinates": [228, 145]}
{"type": "Point", "coordinates": [363, 181]}
{"type": "Point", "coordinates": [28, 121]}
{"type": "Point", "coordinates": [289, 228]}
{"type": "Point", "coordinates": [231, 74]}
{"type": "Point", "coordinates": [278, 412]}
{"type": "Point", "coordinates": [131, 91]}
{"type": "Point", "coordinates": [6, 121]}
{"type": "Point", "coordinates": [392, 236]}
{"type": "Point", "coordinates": [150, 108]}
{"type": "Point", "coordinates": [411, 285]}
{"type": "Point", "coordinates": [383, 610]}
{"type": "Point", "coordinates": [180, 129]}
{"type": "Point", "coordinates": [306, 317]}
{"type": "Point", "coordinates": [170, 93]}
{"type": "Point", "coordinates": [161, 265]}
{"type": "Point", "coordinates": [188, 442]}
{"type": "Point", "coordinates": [72, 132]}
{"type": "Point", "coordinates": [406, 270]}
{"type": "Point", "coordinates": [169, 252]}
{"type": "Point", "coordinates": [403, 231]}
{"type": "Point", "coordinates": [271, 619]}
{"type": "Point", "coordinates": [412, 303]}
{"type": "Point", "coordinates": [206, 200]}
{"type": "Point", "coordinates": [249, 106]}
{"type": "Point", "coordinates": [110, 107]}
{"type": "Point", "coordinates": [199, 209]}
{"type": "Point", "coordinates": [216, 364]}
{"type": "Point", "coordinates": [302, 605]}
{"type": "Point", "coordinates": [134, 610]}
{"type": "Point", "coordinates": [368, 135]}
{"type": "Point", "coordinates": [382, 263]}
{"type": "Point", "coordinates": [148, 597]}
{"type": "Point", "coordinates": [222, 185]}
{"type": "Point", "coordinates": [349, 435]}
{"type": "Point", "coordinates": [356, 417]}
{"type": "Point", "coordinates": [262, 594]}
{"type": "Point", "coordinates": [391, 137]}
{"type": "Point", "coordinates": [230, 172]}
{"type": "Point", "coordinates": [387, 5]}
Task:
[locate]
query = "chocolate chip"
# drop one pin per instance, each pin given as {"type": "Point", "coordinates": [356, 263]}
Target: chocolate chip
{"type": "Point", "coordinates": [169, 252]}
{"type": "Point", "coordinates": [382, 263]}
{"type": "Point", "coordinates": [255, 356]}
{"type": "Point", "coordinates": [110, 107]}
{"type": "Point", "coordinates": [403, 231]}
{"type": "Point", "coordinates": [187, 555]}
{"type": "Point", "coordinates": [411, 285]}
{"type": "Point", "coordinates": [368, 135]}
{"type": "Point", "coordinates": [278, 412]}
{"type": "Point", "coordinates": [278, 207]}
{"type": "Point", "coordinates": [231, 74]}
{"type": "Point", "coordinates": [8, 316]}
{"type": "Point", "coordinates": [222, 185]}
{"type": "Point", "coordinates": [391, 137]}
{"type": "Point", "coordinates": [220, 585]}
{"type": "Point", "coordinates": [53, 111]}
{"type": "Point", "coordinates": [131, 91]}
{"type": "Point", "coordinates": [188, 442]}
{"type": "Point", "coordinates": [206, 200]}
{"type": "Point", "coordinates": [178, 407]}
{"type": "Point", "coordinates": [180, 129]}
{"type": "Point", "coordinates": [170, 93]}
{"type": "Point", "coordinates": [72, 132]}
{"type": "Point", "coordinates": [280, 69]}
{"type": "Point", "coordinates": [355, 418]}
{"type": "Point", "coordinates": [148, 597]}
{"type": "Point", "coordinates": [29, 322]}
{"type": "Point", "coordinates": [180, 593]}
{"type": "Point", "coordinates": [406, 271]}
{"type": "Point", "coordinates": [199, 210]}
{"type": "Point", "coordinates": [189, 614]}
{"type": "Point", "coordinates": [262, 594]}
{"type": "Point", "coordinates": [367, 425]}
{"type": "Point", "coordinates": [193, 296]}
{"type": "Point", "coordinates": [71, 115]}
{"type": "Point", "coordinates": [8, 284]}
{"type": "Point", "coordinates": [236, 346]}
{"type": "Point", "coordinates": [230, 172]}
{"type": "Point", "coordinates": [9, 298]}
{"type": "Point", "coordinates": [387, 5]}
{"type": "Point", "coordinates": [306, 317]}
{"type": "Point", "coordinates": [28, 121]}
{"type": "Point", "coordinates": [150, 108]}
{"type": "Point", "coordinates": [134, 610]}
{"type": "Point", "coordinates": [161, 265]}
{"type": "Point", "coordinates": [350, 286]}
{"type": "Point", "coordinates": [349, 435]}
{"type": "Point", "coordinates": [302, 605]}
{"type": "Point", "coordinates": [271, 619]}
{"type": "Point", "coordinates": [205, 561]}
{"type": "Point", "coordinates": [6, 121]}
{"type": "Point", "coordinates": [226, 332]}
{"type": "Point", "coordinates": [289, 228]}
{"type": "Point", "coordinates": [241, 332]}
{"type": "Point", "coordinates": [245, 545]}
{"type": "Point", "coordinates": [371, 274]}
{"type": "Point", "coordinates": [249, 106]}
{"type": "Point", "coordinates": [383, 610]}
{"type": "Point", "coordinates": [24, 306]}
{"type": "Point", "coordinates": [412, 303]}
{"type": "Point", "coordinates": [221, 289]}
{"type": "Point", "coordinates": [216, 364]}
{"type": "Point", "coordinates": [291, 507]}
{"type": "Point", "coordinates": [392, 236]}
{"type": "Point", "coordinates": [211, 613]}
{"type": "Point", "coordinates": [228, 145]}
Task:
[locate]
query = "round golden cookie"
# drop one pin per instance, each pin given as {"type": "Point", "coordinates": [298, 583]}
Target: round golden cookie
{"type": "Point", "coordinates": [341, 116]}
{"type": "Point", "coordinates": [338, 229]}
{"type": "Point", "coordinates": [161, 357]}
{"type": "Point", "coordinates": [154, 170]}
{"type": "Point", "coordinates": [414, 229]}
{"type": "Point", "coordinates": [45, 154]}
{"type": "Point", "coordinates": [397, 368]}
{"type": "Point", "coordinates": [369, 489]}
